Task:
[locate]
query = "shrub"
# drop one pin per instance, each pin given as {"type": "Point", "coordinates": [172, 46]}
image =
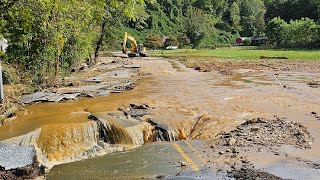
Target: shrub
{"type": "Point", "coordinates": [246, 42]}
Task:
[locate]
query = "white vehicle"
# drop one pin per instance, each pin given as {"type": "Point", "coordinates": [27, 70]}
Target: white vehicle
{"type": "Point", "coordinates": [171, 47]}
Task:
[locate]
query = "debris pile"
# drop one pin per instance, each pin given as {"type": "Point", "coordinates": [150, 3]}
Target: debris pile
{"type": "Point", "coordinates": [268, 133]}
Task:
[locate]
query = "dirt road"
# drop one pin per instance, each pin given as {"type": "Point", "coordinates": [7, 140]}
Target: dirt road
{"type": "Point", "coordinates": [245, 121]}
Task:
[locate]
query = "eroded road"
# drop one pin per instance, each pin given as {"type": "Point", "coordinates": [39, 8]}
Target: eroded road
{"type": "Point", "coordinates": [173, 103]}
{"type": "Point", "coordinates": [152, 161]}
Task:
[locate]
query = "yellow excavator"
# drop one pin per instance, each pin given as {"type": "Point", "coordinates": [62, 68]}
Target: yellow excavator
{"type": "Point", "coordinates": [136, 50]}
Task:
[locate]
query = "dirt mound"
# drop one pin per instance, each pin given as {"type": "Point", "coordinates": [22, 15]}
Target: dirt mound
{"type": "Point", "coordinates": [251, 174]}
{"type": "Point", "coordinates": [267, 133]}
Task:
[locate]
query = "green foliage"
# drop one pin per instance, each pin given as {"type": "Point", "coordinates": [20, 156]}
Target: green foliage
{"type": "Point", "coordinates": [49, 37]}
{"type": "Point", "coordinates": [292, 9]}
{"type": "Point", "coordinates": [252, 17]}
{"type": "Point", "coordinates": [183, 40]}
{"type": "Point", "coordinates": [274, 31]}
{"type": "Point", "coordinates": [172, 41]}
{"type": "Point", "coordinates": [246, 42]}
{"type": "Point", "coordinates": [303, 33]}
{"type": "Point", "coordinates": [198, 24]}
{"type": "Point", "coordinates": [153, 41]}
{"type": "Point", "coordinates": [216, 39]}
{"type": "Point", "coordinates": [235, 16]}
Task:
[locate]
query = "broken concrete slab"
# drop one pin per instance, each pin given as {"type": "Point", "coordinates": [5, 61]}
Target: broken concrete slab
{"type": "Point", "coordinates": [82, 91]}
{"type": "Point", "coordinates": [35, 97]}
{"type": "Point", "coordinates": [13, 156]}
{"type": "Point", "coordinates": [51, 97]}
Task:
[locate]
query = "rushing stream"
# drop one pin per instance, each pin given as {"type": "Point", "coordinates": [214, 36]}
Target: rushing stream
{"type": "Point", "coordinates": [184, 104]}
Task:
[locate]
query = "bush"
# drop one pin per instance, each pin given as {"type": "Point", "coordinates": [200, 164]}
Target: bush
{"type": "Point", "coordinates": [216, 39]}
{"type": "Point", "coordinates": [303, 33]}
{"type": "Point", "coordinates": [153, 41]}
{"type": "Point", "coordinates": [246, 42]}
{"type": "Point", "coordinates": [9, 75]}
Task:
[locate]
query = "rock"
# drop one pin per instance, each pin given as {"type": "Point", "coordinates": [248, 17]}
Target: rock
{"type": "Point", "coordinates": [231, 141]}
{"type": "Point", "coordinates": [140, 106]}
{"type": "Point", "coordinates": [234, 150]}
{"type": "Point", "coordinates": [183, 164]}
{"type": "Point", "coordinates": [160, 176]}
{"type": "Point", "coordinates": [70, 84]}
{"type": "Point", "coordinates": [249, 139]}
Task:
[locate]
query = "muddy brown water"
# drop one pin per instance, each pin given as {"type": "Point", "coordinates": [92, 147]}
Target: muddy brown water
{"type": "Point", "coordinates": [41, 114]}
{"type": "Point", "coordinates": [202, 104]}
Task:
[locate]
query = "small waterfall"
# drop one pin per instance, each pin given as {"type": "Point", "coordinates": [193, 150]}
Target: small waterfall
{"type": "Point", "coordinates": [121, 129]}
{"type": "Point", "coordinates": [103, 133]}
{"type": "Point", "coordinates": [60, 141]}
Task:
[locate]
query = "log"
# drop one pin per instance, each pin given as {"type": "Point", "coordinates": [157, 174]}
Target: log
{"type": "Point", "coordinates": [274, 57]}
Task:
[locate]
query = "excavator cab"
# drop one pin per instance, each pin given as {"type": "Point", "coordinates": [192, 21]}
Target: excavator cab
{"type": "Point", "coordinates": [137, 50]}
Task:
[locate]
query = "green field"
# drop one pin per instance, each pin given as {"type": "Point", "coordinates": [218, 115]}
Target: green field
{"type": "Point", "coordinates": [241, 53]}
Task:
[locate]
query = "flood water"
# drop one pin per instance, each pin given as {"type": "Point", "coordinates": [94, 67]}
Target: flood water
{"type": "Point", "coordinates": [200, 104]}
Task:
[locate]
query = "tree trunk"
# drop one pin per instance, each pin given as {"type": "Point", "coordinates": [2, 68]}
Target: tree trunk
{"type": "Point", "coordinates": [103, 32]}
{"type": "Point", "coordinates": [56, 67]}
{"type": "Point", "coordinates": [100, 40]}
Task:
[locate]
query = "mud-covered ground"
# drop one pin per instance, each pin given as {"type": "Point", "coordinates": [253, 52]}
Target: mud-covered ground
{"type": "Point", "coordinates": [229, 67]}
{"type": "Point", "coordinates": [230, 152]}
{"type": "Point", "coordinates": [258, 119]}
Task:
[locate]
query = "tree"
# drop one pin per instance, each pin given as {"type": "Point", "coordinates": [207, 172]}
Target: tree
{"type": "Point", "coordinates": [128, 8]}
{"type": "Point", "coordinates": [198, 24]}
{"type": "Point", "coordinates": [153, 41]}
{"type": "Point", "coordinates": [183, 40]}
{"type": "Point", "coordinates": [171, 41]}
{"type": "Point", "coordinates": [235, 16]}
{"type": "Point", "coordinates": [252, 17]}
{"type": "Point", "coordinates": [292, 9]}
{"type": "Point", "coordinates": [215, 8]}
{"type": "Point", "coordinates": [274, 31]}
{"type": "Point", "coordinates": [303, 33]}
{"type": "Point", "coordinates": [48, 37]}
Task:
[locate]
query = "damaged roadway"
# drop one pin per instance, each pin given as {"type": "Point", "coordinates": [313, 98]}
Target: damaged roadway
{"type": "Point", "coordinates": [232, 121]}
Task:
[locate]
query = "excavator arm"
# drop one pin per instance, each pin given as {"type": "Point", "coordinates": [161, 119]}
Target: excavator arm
{"type": "Point", "coordinates": [136, 50]}
{"type": "Point", "coordinates": [134, 45]}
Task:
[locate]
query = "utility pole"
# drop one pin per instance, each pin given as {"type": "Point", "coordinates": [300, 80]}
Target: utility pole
{"type": "Point", "coordinates": [1, 84]}
{"type": "Point", "coordinates": [3, 47]}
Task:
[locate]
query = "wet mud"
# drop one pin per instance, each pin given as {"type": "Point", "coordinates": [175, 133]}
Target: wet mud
{"type": "Point", "coordinates": [31, 171]}
{"type": "Point", "coordinates": [253, 138]}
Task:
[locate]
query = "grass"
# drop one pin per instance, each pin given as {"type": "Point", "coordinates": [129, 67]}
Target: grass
{"type": "Point", "coordinates": [241, 53]}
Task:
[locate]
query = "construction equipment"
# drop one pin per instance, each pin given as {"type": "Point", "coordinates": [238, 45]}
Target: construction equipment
{"type": "Point", "coordinates": [136, 50]}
